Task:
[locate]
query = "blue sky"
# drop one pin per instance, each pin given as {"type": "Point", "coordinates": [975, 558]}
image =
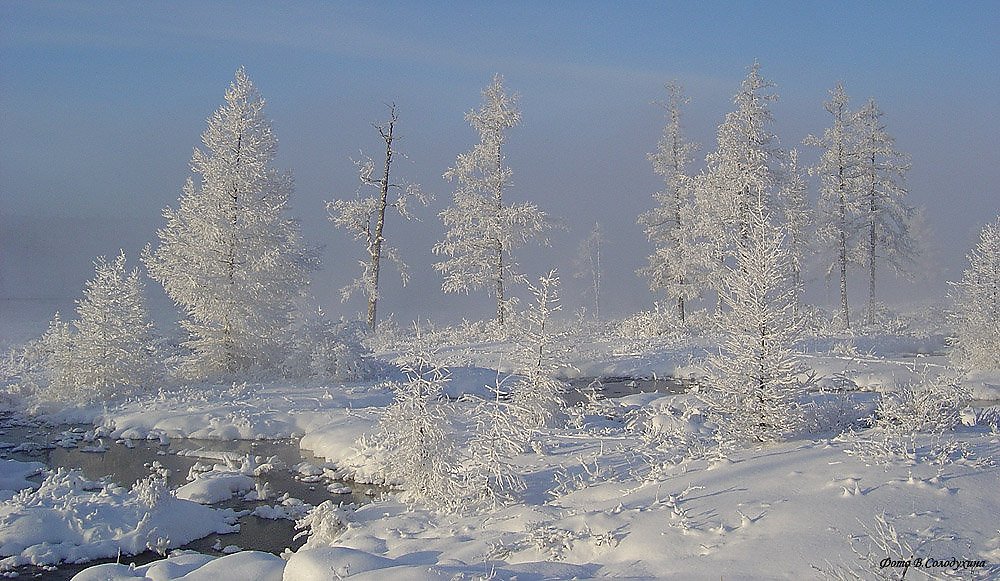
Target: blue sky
{"type": "Point", "coordinates": [102, 103]}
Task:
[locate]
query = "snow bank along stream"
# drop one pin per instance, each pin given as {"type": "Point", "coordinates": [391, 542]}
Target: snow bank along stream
{"type": "Point", "coordinates": [266, 484]}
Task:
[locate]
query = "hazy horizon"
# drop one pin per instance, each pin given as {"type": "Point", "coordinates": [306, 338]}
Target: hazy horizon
{"type": "Point", "coordinates": [101, 106]}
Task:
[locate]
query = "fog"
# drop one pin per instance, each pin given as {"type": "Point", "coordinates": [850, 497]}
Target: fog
{"type": "Point", "coordinates": [101, 107]}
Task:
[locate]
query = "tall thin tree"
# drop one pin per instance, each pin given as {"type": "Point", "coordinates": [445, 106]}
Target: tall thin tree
{"type": "Point", "coordinates": [588, 265]}
{"type": "Point", "coordinates": [674, 264]}
{"type": "Point", "coordinates": [364, 218]}
{"type": "Point", "coordinates": [742, 171]}
{"type": "Point", "coordinates": [483, 228]}
{"type": "Point", "coordinates": [884, 214]}
{"type": "Point", "coordinates": [838, 170]}
{"type": "Point", "coordinates": [798, 219]}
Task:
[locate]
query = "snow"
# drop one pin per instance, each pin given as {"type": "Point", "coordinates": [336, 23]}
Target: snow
{"type": "Point", "coordinates": [71, 519]}
{"type": "Point", "coordinates": [13, 474]}
{"type": "Point", "coordinates": [215, 486]}
{"type": "Point", "coordinates": [616, 490]}
{"type": "Point", "coordinates": [193, 567]}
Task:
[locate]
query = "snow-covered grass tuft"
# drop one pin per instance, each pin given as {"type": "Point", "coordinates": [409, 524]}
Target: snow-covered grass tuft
{"type": "Point", "coordinates": [322, 525]}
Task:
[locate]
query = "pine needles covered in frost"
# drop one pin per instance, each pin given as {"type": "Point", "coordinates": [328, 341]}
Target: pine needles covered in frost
{"type": "Point", "coordinates": [976, 300]}
{"type": "Point", "coordinates": [756, 374]}
{"type": "Point", "coordinates": [540, 348]}
{"type": "Point", "coordinates": [415, 441]}
{"type": "Point", "coordinates": [108, 347]}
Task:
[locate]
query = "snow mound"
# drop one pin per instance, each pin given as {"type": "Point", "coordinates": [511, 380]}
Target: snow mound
{"type": "Point", "coordinates": [71, 519]}
{"type": "Point", "coordinates": [215, 486]}
{"type": "Point", "coordinates": [193, 567]}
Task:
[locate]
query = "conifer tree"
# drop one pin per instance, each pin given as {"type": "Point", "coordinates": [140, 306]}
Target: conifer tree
{"type": "Point", "coordinates": [675, 265]}
{"type": "Point", "coordinates": [756, 373]}
{"type": "Point", "coordinates": [885, 217]}
{"type": "Point", "coordinates": [483, 228]}
{"type": "Point", "coordinates": [798, 220]}
{"type": "Point", "coordinates": [742, 171]}
{"type": "Point", "coordinates": [976, 304]}
{"type": "Point", "coordinates": [113, 340]}
{"type": "Point", "coordinates": [229, 255]}
{"type": "Point", "coordinates": [839, 202]}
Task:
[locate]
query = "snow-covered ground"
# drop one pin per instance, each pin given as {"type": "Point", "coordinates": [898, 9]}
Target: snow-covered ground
{"type": "Point", "coordinates": [614, 490]}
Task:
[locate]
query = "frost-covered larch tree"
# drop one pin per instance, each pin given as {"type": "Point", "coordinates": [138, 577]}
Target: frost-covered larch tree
{"type": "Point", "coordinates": [539, 352]}
{"type": "Point", "coordinates": [755, 375]}
{"type": "Point", "coordinates": [885, 218]}
{"type": "Point", "coordinates": [798, 220]}
{"type": "Point", "coordinates": [675, 264]}
{"type": "Point", "coordinates": [482, 227]}
{"type": "Point", "coordinates": [741, 172]}
{"type": "Point", "coordinates": [113, 342]}
{"type": "Point", "coordinates": [839, 202]}
{"type": "Point", "coordinates": [588, 265]}
{"type": "Point", "coordinates": [976, 304]}
{"type": "Point", "coordinates": [414, 435]}
{"type": "Point", "coordinates": [229, 255]}
{"type": "Point", "coordinates": [364, 218]}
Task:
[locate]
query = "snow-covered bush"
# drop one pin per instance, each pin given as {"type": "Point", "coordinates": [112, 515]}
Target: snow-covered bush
{"type": "Point", "coordinates": [931, 406]}
{"type": "Point", "coordinates": [976, 309]}
{"type": "Point", "coordinates": [498, 437]}
{"type": "Point", "coordinates": [329, 350]}
{"type": "Point", "coordinates": [322, 525]}
{"type": "Point", "coordinates": [884, 551]}
{"type": "Point", "coordinates": [647, 324]}
{"type": "Point", "coordinates": [535, 394]}
{"type": "Point", "coordinates": [153, 490]}
{"type": "Point", "coordinates": [413, 440]}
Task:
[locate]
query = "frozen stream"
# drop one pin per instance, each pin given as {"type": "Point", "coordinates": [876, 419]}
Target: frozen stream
{"type": "Point", "coordinates": [123, 463]}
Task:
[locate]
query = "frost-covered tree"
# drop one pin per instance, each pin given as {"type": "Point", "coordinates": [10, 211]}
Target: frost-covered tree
{"type": "Point", "coordinates": [364, 218]}
{"type": "Point", "coordinates": [483, 227]}
{"type": "Point", "coordinates": [976, 304]}
{"type": "Point", "coordinates": [113, 344]}
{"type": "Point", "coordinates": [539, 352]}
{"type": "Point", "coordinates": [588, 265]}
{"type": "Point", "coordinates": [886, 219]}
{"type": "Point", "coordinates": [46, 365]}
{"type": "Point", "coordinates": [839, 203]}
{"type": "Point", "coordinates": [797, 220]}
{"type": "Point", "coordinates": [413, 432]}
{"type": "Point", "coordinates": [229, 255]}
{"type": "Point", "coordinates": [499, 436]}
{"type": "Point", "coordinates": [741, 172]}
{"type": "Point", "coordinates": [755, 375]}
{"type": "Point", "coordinates": [675, 264]}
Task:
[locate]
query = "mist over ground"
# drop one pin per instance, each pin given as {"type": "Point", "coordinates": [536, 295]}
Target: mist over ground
{"type": "Point", "coordinates": [101, 106]}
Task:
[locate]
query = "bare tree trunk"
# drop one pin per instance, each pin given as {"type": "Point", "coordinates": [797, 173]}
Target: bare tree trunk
{"type": "Point", "coordinates": [845, 310]}
{"type": "Point", "coordinates": [228, 343]}
{"type": "Point", "coordinates": [872, 241]}
{"type": "Point", "coordinates": [377, 239]}
{"type": "Point", "coordinates": [498, 198]}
